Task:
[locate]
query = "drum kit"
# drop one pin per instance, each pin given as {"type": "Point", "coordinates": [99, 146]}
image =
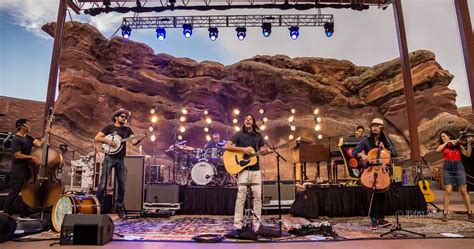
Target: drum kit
{"type": "Point", "coordinates": [199, 166]}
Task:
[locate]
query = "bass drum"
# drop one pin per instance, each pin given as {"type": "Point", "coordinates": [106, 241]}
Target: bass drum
{"type": "Point", "coordinates": [73, 204]}
{"type": "Point", "coordinates": [202, 173]}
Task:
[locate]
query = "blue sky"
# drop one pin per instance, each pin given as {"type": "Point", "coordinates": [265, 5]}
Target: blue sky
{"type": "Point", "coordinates": [366, 38]}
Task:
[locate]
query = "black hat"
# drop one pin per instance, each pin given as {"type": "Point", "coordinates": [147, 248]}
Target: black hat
{"type": "Point", "coordinates": [20, 122]}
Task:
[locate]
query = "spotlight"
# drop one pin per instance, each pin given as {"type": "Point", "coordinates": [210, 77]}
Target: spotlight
{"type": "Point", "coordinates": [213, 33]}
{"type": "Point", "coordinates": [187, 30]}
{"type": "Point", "coordinates": [241, 32]}
{"type": "Point", "coordinates": [294, 32]}
{"type": "Point", "coordinates": [160, 33]}
{"type": "Point", "coordinates": [126, 31]}
{"type": "Point", "coordinates": [329, 29]}
{"type": "Point", "coordinates": [266, 29]}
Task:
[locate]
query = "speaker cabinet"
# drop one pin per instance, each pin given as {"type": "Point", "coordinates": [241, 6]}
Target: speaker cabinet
{"type": "Point", "coordinates": [162, 193]}
{"type": "Point", "coordinates": [134, 187]}
{"type": "Point", "coordinates": [7, 227]}
{"type": "Point", "coordinates": [270, 193]}
{"type": "Point", "coordinates": [86, 229]}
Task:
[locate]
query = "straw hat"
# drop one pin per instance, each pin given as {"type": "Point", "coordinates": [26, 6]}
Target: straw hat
{"type": "Point", "coordinates": [119, 112]}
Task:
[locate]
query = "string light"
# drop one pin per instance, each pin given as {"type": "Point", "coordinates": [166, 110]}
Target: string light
{"type": "Point", "coordinates": [154, 119]}
{"type": "Point", "coordinates": [317, 127]}
{"type": "Point", "coordinates": [293, 128]}
{"type": "Point", "coordinates": [153, 138]}
{"type": "Point", "coordinates": [320, 136]}
{"type": "Point", "coordinates": [182, 118]}
{"type": "Point", "coordinates": [262, 127]}
{"type": "Point", "coordinates": [180, 137]}
{"type": "Point", "coordinates": [184, 111]}
{"type": "Point", "coordinates": [265, 119]}
{"type": "Point", "coordinates": [182, 129]}
{"type": "Point", "coordinates": [316, 111]}
{"type": "Point", "coordinates": [152, 111]}
{"type": "Point", "coordinates": [208, 138]}
{"type": "Point", "coordinates": [291, 119]}
{"type": "Point", "coordinates": [235, 121]}
{"type": "Point", "coordinates": [206, 112]}
{"type": "Point", "coordinates": [150, 128]}
{"type": "Point", "coordinates": [265, 137]}
{"type": "Point", "coordinates": [208, 120]}
{"type": "Point", "coordinates": [236, 128]}
{"type": "Point", "coordinates": [293, 111]}
{"type": "Point", "coordinates": [291, 137]}
{"type": "Point", "coordinates": [318, 119]}
{"type": "Point", "coordinates": [261, 111]}
{"type": "Point", "coordinates": [206, 129]}
{"type": "Point", "coordinates": [236, 111]}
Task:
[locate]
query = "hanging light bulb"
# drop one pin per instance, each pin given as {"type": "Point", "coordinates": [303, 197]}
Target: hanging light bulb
{"type": "Point", "coordinates": [261, 111]}
{"type": "Point", "coordinates": [293, 128]}
{"type": "Point", "coordinates": [152, 111]}
{"type": "Point", "coordinates": [265, 137]}
{"type": "Point", "coordinates": [262, 127]}
{"type": "Point", "coordinates": [184, 111]}
{"type": "Point", "coordinates": [316, 111]}
{"type": "Point", "coordinates": [153, 138]}
{"type": "Point", "coordinates": [182, 118]}
{"type": "Point", "coordinates": [150, 128]}
{"type": "Point", "coordinates": [320, 136]}
{"type": "Point", "coordinates": [291, 119]}
{"type": "Point", "coordinates": [206, 129]}
{"type": "Point", "coordinates": [318, 119]}
{"type": "Point", "coordinates": [235, 121]}
{"type": "Point", "coordinates": [293, 111]}
{"type": "Point", "coordinates": [317, 127]}
{"type": "Point", "coordinates": [208, 120]}
{"type": "Point", "coordinates": [236, 128]}
{"type": "Point", "coordinates": [291, 137]}
{"type": "Point", "coordinates": [154, 119]}
{"type": "Point", "coordinates": [180, 137]}
{"type": "Point", "coordinates": [206, 112]}
{"type": "Point", "coordinates": [208, 138]}
{"type": "Point", "coordinates": [182, 129]}
{"type": "Point", "coordinates": [265, 119]}
{"type": "Point", "coordinates": [236, 111]}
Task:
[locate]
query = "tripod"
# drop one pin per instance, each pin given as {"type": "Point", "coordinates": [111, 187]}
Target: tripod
{"type": "Point", "coordinates": [398, 226]}
{"type": "Point", "coordinates": [249, 214]}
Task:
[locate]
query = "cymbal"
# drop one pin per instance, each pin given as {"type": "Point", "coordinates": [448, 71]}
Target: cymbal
{"type": "Point", "coordinates": [248, 184]}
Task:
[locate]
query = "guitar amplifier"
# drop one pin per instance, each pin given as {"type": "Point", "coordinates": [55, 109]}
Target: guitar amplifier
{"type": "Point", "coordinates": [159, 196]}
{"type": "Point", "coordinates": [270, 194]}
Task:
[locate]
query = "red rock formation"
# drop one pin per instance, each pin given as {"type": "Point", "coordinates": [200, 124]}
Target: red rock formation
{"type": "Point", "coordinates": [99, 76]}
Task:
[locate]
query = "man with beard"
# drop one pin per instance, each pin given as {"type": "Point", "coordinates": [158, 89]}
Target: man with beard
{"type": "Point", "coordinates": [377, 138]}
{"type": "Point", "coordinates": [247, 140]}
{"type": "Point", "coordinates": [116, 160]}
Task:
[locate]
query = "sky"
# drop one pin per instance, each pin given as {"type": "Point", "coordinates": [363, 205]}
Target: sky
{"type": "Point", "coordinates": [364, 37]}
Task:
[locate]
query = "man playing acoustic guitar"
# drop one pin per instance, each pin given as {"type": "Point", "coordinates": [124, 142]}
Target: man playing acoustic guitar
{"type": "Point", "coordinates": [248, 141]}
{"type": "Point", "coordinates": [116, 158]}
{"type": "Point", "coordinates": [376, 139]}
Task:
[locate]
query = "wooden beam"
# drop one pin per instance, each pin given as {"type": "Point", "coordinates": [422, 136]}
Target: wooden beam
{"type": "Point", "coordinates": [467, 41]}
{"type": "Point", "coordinates": [407, 81]}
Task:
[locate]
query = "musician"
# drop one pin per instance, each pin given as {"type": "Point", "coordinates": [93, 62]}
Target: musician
{"type": "Point", "coordinates": [116, 160]}
{"type": "Point", "coordinates": [453, 170]}
{"type": "Point", "coordinates": [21, 147]}
{"type": "Point", "coordinates": [214, 143]}
{"type": "Point", "coordinates": [243, 141]}
{"type": "Point", "coordinates": [376, 138]}
{"type": "Point", "coordinates": [359, 133]}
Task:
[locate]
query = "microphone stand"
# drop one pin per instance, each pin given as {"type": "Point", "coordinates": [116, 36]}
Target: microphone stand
{"type": "Point", "coordinates": [278, 184]}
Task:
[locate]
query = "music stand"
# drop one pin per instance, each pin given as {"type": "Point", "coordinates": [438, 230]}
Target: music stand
{"type": "Point", "coordinates": [278, 156]}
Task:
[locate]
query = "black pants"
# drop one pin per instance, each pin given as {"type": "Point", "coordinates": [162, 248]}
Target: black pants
{"type": "Point", "coordinates": [19, 174]}
{"type": "Point", "coordinates": [379, 205]}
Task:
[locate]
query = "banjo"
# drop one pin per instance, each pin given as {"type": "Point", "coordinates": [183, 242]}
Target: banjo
{"type": "Point", "coordinates": [119, 142]}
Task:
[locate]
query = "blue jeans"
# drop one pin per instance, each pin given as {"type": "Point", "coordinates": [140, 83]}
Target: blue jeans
{"type": "Point", "coordinates": [121, 176]}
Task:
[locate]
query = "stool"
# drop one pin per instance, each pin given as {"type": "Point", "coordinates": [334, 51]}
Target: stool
{"type": "Point", "coordinates": [249, 214]}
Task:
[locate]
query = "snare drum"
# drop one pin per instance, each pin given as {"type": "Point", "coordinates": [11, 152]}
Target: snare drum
{"type": "Point", "coordinates": [73, 204]}
{"type": "Point", "coordinates": [202, 173]}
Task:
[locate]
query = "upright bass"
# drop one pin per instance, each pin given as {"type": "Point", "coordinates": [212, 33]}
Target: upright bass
{"type": "Point", "coordinates": [377, 175]}
{"type": "Point", "coordinates": [43, 187]}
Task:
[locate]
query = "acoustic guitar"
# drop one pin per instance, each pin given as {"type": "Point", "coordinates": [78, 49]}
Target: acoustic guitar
{"type": "Point", "coordinates": [425, 186]}
{"type": "Point", "coordinates": [235, 162]}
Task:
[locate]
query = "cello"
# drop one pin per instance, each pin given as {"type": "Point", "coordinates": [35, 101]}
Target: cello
{"type": "Point", "coordinates": [377, 175]}
{"type": "Point", "coordinates": [43, 188]}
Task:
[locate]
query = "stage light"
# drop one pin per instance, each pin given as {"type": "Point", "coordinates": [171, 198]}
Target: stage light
{"type": "Point", "coordinates": [266, 29]}
{"type": "Point", "coordinates": [182, 118]}
{"type": "Point", "coordinates": [187, 30]}
{"type": "Point", "coordinates": [320, 136]}
{"type": "Point", "coordinates": [329, 29]}
{"type": "Point", "coordinates": [316, 111]}
{"type": "Point", "coordinates": [160, 33]}
{"type": "Point", "coordinates": [241, 32]}
{"type": "Point", "coordinates": [293, 128]}
{"type": "Point", "coordinates": [208, 138]}
{"type": "Point", "coordinates": [291, 119]}
{"type": "Point", "coordinates": [180, 137]}
{"type": "Point", "coordinates": [154, 119]}
{"type": "Point", "coordinates": [236, 112]}
{"type": "Point", "coordinates": [235, 121]}
{"type": "Point", "coordinates": [291, 137]}
{"type": "Point", "coordinates": [261, 111]}
{"type": "Point", "coordinates": [265, 137]}
{"type": "Point", "coordinates": [182, 129]}
{"type": "Point", "coordinates": [318, 119]}
{"type": "Point", "coordinates": [294, 32]}
{"type": "Point", "coordinates": [213, 33]}
{"type": "Point", "coordinates": [152, 111]}
{"type": "Point", "coordinates": [317, 127]}
{"type": "Point", "coordinates": [153, 138]}
{"type": "Point", "coordinates": [126, 31]}
{"type": "Point", "coordinates": [150, 128]}
{"type": "Point", "coordinates": [208, 120]}
{"type": "Point", "coordinates": [206, 129]}
{"type": "Point", "coordinates": [265, 119]}
{"type": "Point", "coordinates": [184, 111]}
{"type": "Point", "coordinates": [236, 128]}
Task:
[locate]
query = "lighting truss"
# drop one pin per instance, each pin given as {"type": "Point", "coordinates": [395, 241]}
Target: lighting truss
{"type": "Point", "coordinates": [227, 21]}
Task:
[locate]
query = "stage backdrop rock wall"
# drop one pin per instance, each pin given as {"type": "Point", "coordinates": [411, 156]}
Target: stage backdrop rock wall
{"type": "Point", "coordinates": [99, 76]}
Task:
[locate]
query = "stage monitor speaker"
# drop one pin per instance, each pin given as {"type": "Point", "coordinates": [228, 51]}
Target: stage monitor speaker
{"type": "Point", "coordinates": [162, 193]}
{"type": "Point", "coordinates": [7, 227]}
{"type": "Point", "coordinates": [270, 192]}
{"type": "Point", "coordinates": [86, 229]}
{"type": "Point", "coordinates": [134, 187]}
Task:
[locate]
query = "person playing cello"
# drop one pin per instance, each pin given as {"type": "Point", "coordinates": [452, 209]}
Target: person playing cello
{"type": "Point", "coordinates": [375, 140]}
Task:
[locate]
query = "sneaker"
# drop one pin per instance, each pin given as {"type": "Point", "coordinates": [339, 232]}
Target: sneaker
{"type": "Point", "coordinates": [384, 223]}
{"type": "Point", "coordinates": [373, 226]}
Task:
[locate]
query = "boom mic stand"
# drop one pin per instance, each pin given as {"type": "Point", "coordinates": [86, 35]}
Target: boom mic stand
{"type": "Point", "coordinates": [278, 185]}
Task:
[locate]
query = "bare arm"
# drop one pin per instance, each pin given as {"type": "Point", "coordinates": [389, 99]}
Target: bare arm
{"type": "Point", "coordinates": [231, 147]}
{"type": "Point", "coordinates": [467, 152]}
{"type": "Point", "coordinates": [19, 155]}
{"type": "Point", "coordinates": [136, 140]}
{"type": "Point", "coordinates": [100, 137]}
{"type": "Point", "coordinates": [441, 147]}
